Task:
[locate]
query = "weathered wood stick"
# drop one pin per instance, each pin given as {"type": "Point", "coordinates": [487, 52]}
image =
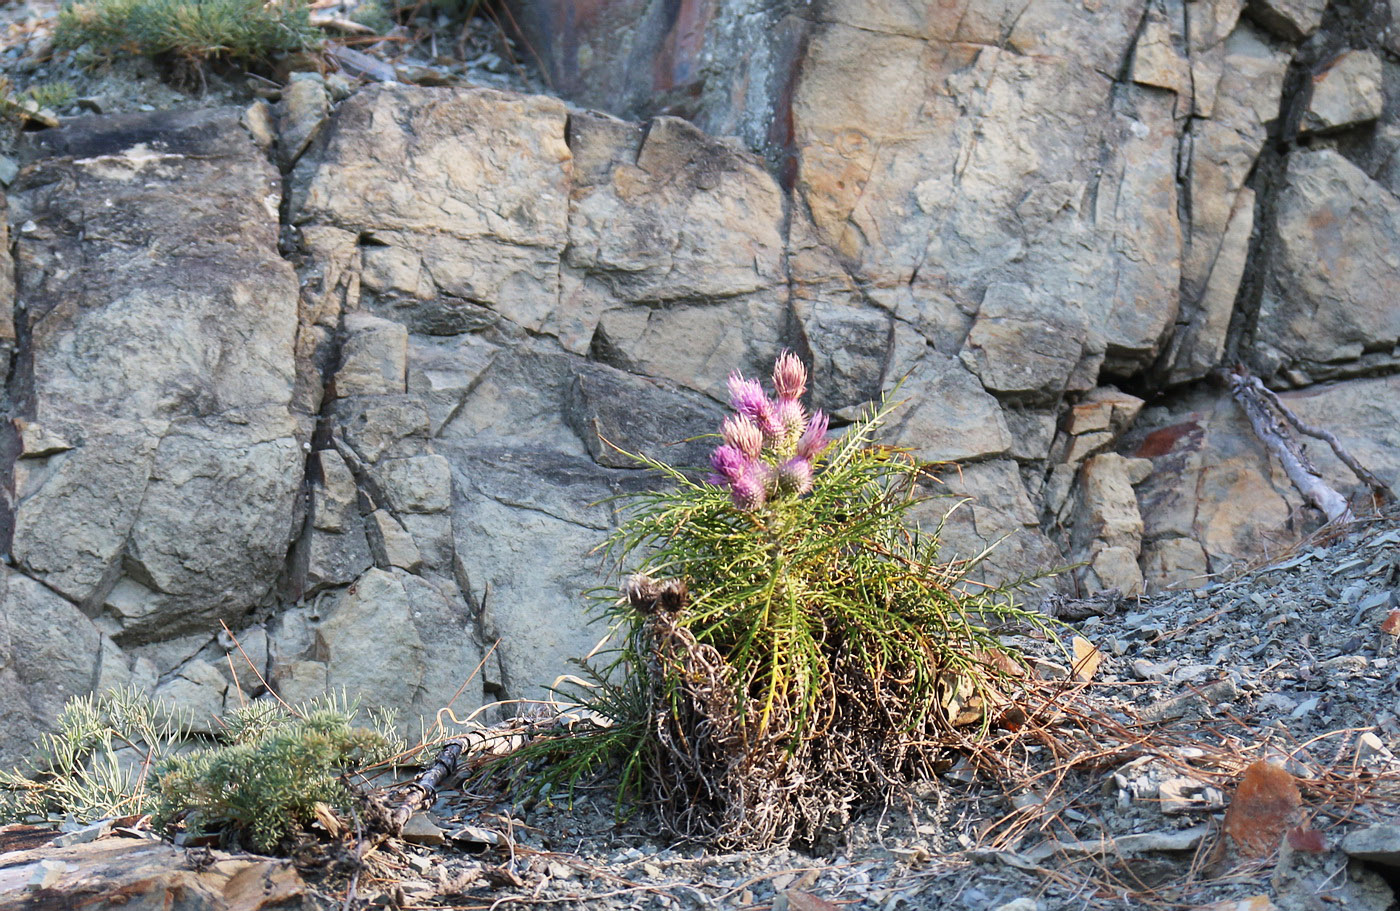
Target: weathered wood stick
{"type": "Point", "coordinates": [391, 808]}
{"type": "Point", "coordinates": [1346, 458]}
{"type": "Point", "coordinates": [1273, 433]}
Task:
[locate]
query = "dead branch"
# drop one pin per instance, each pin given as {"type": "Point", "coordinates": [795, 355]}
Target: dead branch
{"type": "Point", "coordinates": [389, 809]}
{"type": "Point", "coordinates": [1274, 434]}
{"type": "Point", "coordinates": [1379, 487]}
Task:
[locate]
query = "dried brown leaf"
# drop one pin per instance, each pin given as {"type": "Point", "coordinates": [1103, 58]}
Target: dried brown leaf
{"type": "Point", "coordinates": [1087, 659]}
{"type": "Point", "coordinates": [1307, 840]}
{"type": "Point", "coordinates": [1262, 809]}
{"type": "Point", "coordinates": [797, 900]}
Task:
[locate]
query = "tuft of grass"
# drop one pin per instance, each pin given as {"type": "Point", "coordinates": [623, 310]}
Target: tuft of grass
{"type": "Point", "coordinates": [246, 32]}
{"type": "Point", "coordinates": [262, 784]}
{"type": "Point", "coordinates": [56, 95]}
{"type": "Point", "coordinates": [781, 666]}
{"type": "Point", "coordinates": [124, 753]}
{"type": "Point", "coordinates": [98, 762]}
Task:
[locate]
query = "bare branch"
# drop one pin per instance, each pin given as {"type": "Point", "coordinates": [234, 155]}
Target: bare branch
{"type": "Point", "coordinates": [1273, 433]}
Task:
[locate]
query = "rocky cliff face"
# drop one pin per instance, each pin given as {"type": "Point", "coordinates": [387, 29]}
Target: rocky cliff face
{"type": "Point", "coordinates": [348, 378]}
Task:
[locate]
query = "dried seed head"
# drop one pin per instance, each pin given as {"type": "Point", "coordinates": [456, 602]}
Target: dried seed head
{"type": "Point", "coordinates": [647, 595]}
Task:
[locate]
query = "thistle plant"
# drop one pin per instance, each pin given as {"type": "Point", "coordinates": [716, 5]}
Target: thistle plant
{"type": "Point", "coordinates": [790, 648]}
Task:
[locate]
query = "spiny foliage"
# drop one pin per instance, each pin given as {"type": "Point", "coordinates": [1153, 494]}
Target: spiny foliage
{"type": "Point", "coordinates": [805, 651]}
{"type": "Point", "coordinates": [264, 782]}
{"type": "Point", "coordinates": [246, 32]}
{"type": "Point", "coordinates": [124, 753]}
{"type": "Point", "coordinates": [98, 762]}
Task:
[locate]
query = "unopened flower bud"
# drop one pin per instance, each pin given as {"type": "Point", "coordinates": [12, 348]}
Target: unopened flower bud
{"type": "Point", "coordinates": [795, 476]}
{"type": "Point", "coordinates": [813, 440]}
{"type": "Point", "coordinates": [789, 376]}
{"type": "Point", "coordinates": [743, 434]}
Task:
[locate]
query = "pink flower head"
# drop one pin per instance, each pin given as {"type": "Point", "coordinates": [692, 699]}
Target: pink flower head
{"type": "Point", "coordinates": [747, 492]}
{"type": "Point", "coordinates": [748, 398]}
{"type": "Point", "coordinates": [789, 376]}
{"type": "Point", "coordinates": [792, 417]}
{"type": "Point", "coordinates": [730, 463]}
{"type": "Point", "coordinates": [743, 434]}
{"type": "Point", "coordinates": [813, 440]}
{"type": "Point", "coordinates": [795, 476]}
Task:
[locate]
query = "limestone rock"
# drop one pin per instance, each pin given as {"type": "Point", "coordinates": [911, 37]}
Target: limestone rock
{"type": "Point", "coordinates": [936, 169]}
{"type": "Point", "coordinates": [1348, 92]}
{"type": "Point", "coordinates": [695, 345]}
{"type": "Point", "coordinates": [976, 429]}
{"type": "Point", "coordinates": [1109, 526]}
{"type": "Point", "coordinates": [1213, 486]}
{"type": "Point", "coordinates": [1242, 96]}
{"type": "Point", "coordinates": [301, 114]}
{"type": "Point", "coordinates": [1024, 347]}
{"type": "Point", "coordinates": [198, 689]}
{"type": "Point", "coordinates": [529, 519]}
{"type": "Point", "coordinates": [612, 410]}
{"type": "Point", "coordinates": [335, 497]}
{"type": "Point", "coordinates": [418, 484]}
{"type": "Point", "coordinates": [1290, 19]}
{"type": "Point", "coordinates": [686, 216]}
{"type": "Point", "coordinates": [1172, 563]}
{"type": "Point", "coordinates": [374, 359]}
{"type": "Point", "coordinates": [49, 652]}
{"type": "Point", "coordinates": [1331, 292]}
{"type": "Point", "coordinates": [328, 559]}
{"type": "Point", "coordinates": [443, 371]}
{"type": "Point", "coordinates": [7, 286]}
{"type": "Point", "coordinates": [1379, 844]}
{"type": "Point", "coordinates": [849, 350]}
{"type": "Point", "coordinates": [517, 399]}
{"type": "Point", "coordinates": [392, 545]}
{"type": "Point", "coordinates": [1200, 345]}
{"type": "Point", "coordinates": [392, 639]}
{"type": "Point", "coordinates": [1212, 482]}
{"type": "Point", "coordinates": [382, 426]}
{"type": "Point", "coordinates": [1158, 58]}
{"type": "Point", "coordinates": [998, 514]}
{"type": "Point", "coordinates": [171, 375]}
{"type": "Point", "coordinates": [473, 182]}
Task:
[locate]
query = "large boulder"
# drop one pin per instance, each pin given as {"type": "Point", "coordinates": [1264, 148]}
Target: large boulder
{"type": "Point", "coordinates": [1331, 293]}
{"type": "Point", "coordinates": [158, 447]}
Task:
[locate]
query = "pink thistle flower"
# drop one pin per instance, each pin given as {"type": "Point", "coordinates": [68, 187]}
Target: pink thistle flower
{"type": "Point", "coordinates": [748, 398]}
{"type": "Point", "coordinates": [795, 476]}
{"type": "Point", "coordinates": [792, 417]}
{"type": "Point", "coordinates": [747, 492]}
{"type": "Point", "coordinates": [743, 434]}
{"type": "Point", "coordinates": [813, 440]}
{"type": "Point", "coordinates": [730, 463]}
{"type": "Point", "coordinates": [789, 376]}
